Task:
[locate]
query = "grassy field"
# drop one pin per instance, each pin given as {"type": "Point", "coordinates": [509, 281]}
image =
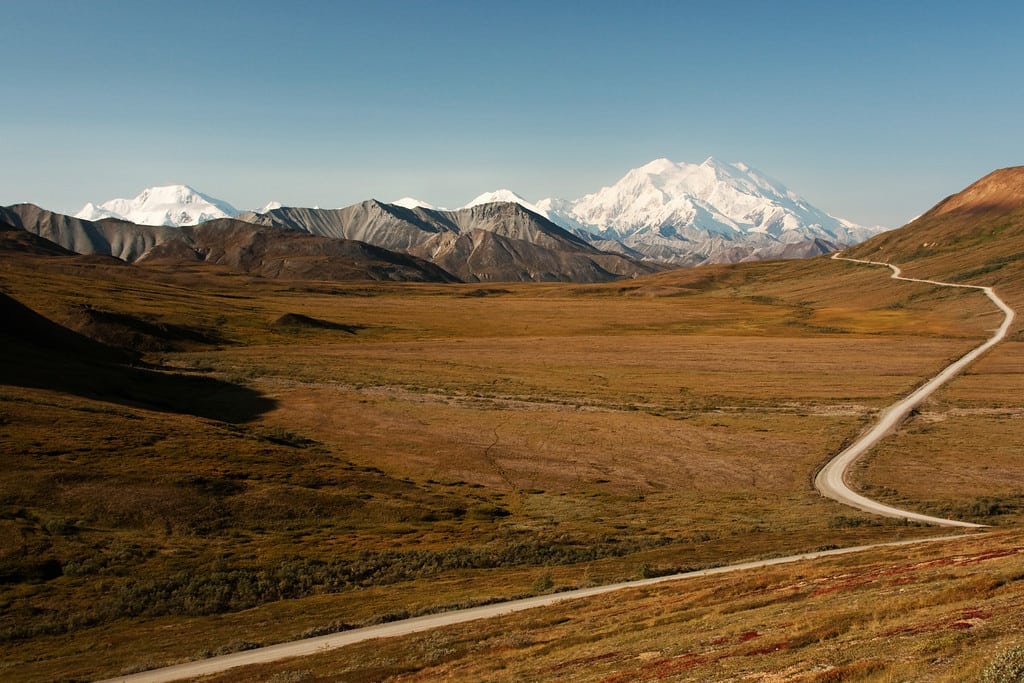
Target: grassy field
{"type": "Point", "coordinates": [893, 615]}
{"type": "Point", "coordinates": [297, 458]}
{"type": "Point", "coordinates": [964, 451]}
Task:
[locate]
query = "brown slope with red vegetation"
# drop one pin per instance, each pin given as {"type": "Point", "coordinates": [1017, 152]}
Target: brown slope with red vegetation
{"type": "Point", "coordinates": [1001, 190]}
{"type": "Point", "coordinates": [975, 236]}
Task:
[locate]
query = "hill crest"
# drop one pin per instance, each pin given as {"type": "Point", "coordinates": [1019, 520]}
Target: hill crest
{"type": "Point", "coordinates": [1002, 189]}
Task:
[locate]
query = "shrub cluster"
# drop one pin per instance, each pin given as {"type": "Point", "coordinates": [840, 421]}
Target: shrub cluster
{"type": "Point", "coordinates": [216, 591]}
{"type": "Point", "coordinates": [1007, 667]}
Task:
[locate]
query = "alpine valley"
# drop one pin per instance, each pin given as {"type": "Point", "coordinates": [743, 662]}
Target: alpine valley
{"type": "Point", "coordinates": [235, 447]}
{"type": "Point", "coordinates": [663, 214]}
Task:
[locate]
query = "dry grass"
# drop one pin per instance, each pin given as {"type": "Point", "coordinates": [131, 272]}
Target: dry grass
{"type": "Point", "coordinates": [890, 615]}
{"type": "Point", "coordinates": [440, 446]}
{"type": "Point", "coordinates": [964, 452]}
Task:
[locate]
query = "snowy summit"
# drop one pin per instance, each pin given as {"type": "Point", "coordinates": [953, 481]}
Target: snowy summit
{"type": "Point", "coordinates": [672, 211]}
{"type": "Point", "coordinates": [505, 196]}
{"type": "Point", "coordinates": [268, 207]}
{"type": "Point", "coordinates": [170, 205]}
{"type": "Point", "coordinates": [666, 211]}
{"type": "Point", "coordinates": [413, 203]}
{"type": "Point", "coordinates": [721, 198]}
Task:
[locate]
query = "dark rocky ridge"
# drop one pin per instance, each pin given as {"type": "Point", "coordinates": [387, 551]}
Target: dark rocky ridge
{"type": "Point", "coordinates": [110, 237]}
{"type": "Point", "coordinates": [490, 242]}
{"type": "Point", "coordinates": [369, 241]}
{"type": "Point", "coordinates": [242, 246]}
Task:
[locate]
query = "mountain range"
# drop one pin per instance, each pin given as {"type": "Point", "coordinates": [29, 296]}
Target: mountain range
{"type": "Point", "coordinates": [500, 241]}
{"type": "Point", "coordinates": [371, 240]}
{"type": "Point", "coordinates": [665, 212]}
{"type": "Point", "coordinates": [165, 410]}
{"type": "Point", "coordinates": [225, 242]}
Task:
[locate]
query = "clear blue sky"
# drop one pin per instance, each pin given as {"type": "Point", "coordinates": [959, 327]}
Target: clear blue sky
{"type": "Point", "coordinates": [871, 110]}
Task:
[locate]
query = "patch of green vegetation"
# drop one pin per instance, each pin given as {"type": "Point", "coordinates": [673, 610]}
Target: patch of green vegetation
{"type": "Point", "coordinates": [850, 522]}
{"type": "Point", "coordinates": [220, 588]}
{"type": "Point", "coordinates": [1006, 667]}
{"type": "Point", "coordinates": [990, 266]}
{"type": "Point", "coordinates": [983, 508]}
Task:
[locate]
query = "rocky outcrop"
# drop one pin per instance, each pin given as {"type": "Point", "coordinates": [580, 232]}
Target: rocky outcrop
{"type": "Point", "coordinates": [497, 242]}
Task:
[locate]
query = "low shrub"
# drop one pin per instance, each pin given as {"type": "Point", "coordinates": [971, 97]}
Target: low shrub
{"type": "Point", "coordinates": [1006, 667]}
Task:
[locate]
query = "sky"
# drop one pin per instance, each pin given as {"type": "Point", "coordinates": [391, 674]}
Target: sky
{"type": "Point", "coordinates": [872, 111]}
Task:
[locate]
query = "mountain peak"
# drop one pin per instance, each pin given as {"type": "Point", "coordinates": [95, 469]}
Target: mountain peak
{"type": "Point", "coordinates": [269, 206]}
{"type": "Point", "coordinates": [413, 203]}
{"type": "Point", "coordinates": [678, 211]}
{"type": "Point", "coordinates": [170, 205]}
{"type": "Point", "coordinates": [658, 166]}
{"type": "Point", "coordinates": [181, 193]}
{"type": "Point", "coordinates": [504, 195]}
{"type": "Point", "coordinates": [666, 168]}
{"type": "Point", "coordinates": [725, 168]}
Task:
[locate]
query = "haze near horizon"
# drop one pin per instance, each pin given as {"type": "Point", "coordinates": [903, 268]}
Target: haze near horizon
{"type": "Point", "coordinates": [872, 111]}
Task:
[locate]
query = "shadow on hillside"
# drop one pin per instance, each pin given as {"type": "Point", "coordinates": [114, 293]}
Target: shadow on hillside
{"type": "Point", "coordinates": [37, 353]}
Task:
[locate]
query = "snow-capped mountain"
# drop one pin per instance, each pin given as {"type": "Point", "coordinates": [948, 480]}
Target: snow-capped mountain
{"type": "Point", "coordinates": [269, 206]}
{"type": "Point", "coordinates": [495, 197]}
{"type": "Point", "coordinates": [691, 213]}
{"type": "Point", "coordinates": [170, 205]}
{"type": "Point", "coordinates": [679, 213]}
{"type": "Point", "coordinates": [504, 195]}
{"type": "Point", "coordinates": [413, 203]}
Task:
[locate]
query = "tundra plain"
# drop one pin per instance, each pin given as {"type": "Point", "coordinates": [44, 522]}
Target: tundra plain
{"type": "Point", "coordinates": [290, 458]}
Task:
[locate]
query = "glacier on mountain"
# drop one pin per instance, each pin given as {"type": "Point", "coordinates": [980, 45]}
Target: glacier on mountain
{"type": "Point", "coordinates": [690, 213]}
{"type": "Point", "coordinates": [677, 213]}
{"type": "Point", "coordinates": [168, 205]}
{"type": "Point", "coordinates": [687, 214]}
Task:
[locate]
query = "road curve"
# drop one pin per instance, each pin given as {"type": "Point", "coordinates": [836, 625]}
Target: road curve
{"type": "Point", "coordinates": [312, 646]}
{"type": "Point", "coordinates": [831, 479]}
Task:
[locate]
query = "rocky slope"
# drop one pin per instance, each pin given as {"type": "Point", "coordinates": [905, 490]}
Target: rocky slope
{"type": "Point", "coordinates": [488, 242]}
{"type": "Point", "coordinates": [239, 245]}
{"type": "Point", "coordinates": [663, 212]}
{"type": "Point", "coordinates": [14, 239]}
{"type": "Point", "coordinates": [276, 253]}
{"type": "Point", "coordinates": [110, 237]}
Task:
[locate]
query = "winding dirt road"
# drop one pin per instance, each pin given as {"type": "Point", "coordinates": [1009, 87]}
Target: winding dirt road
{"type": "Point", "coordinates": [830, 482]}
{"type": "Point", "coordinates": [831, 479]}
